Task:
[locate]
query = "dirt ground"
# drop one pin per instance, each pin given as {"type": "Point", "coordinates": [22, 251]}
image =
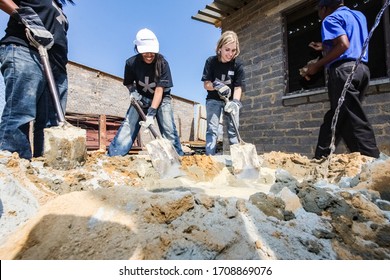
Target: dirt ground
{"type": "Point", "coordinates": [119, 208]}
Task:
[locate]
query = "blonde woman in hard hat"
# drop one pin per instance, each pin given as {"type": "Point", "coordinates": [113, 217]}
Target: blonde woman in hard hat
{"type": "Point", "coordinates": [148, 77]}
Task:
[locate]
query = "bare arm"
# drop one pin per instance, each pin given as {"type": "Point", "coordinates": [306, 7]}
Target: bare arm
{"type": "Point", "coordinates": [237, 93]}
{"type": "Point", "coordinates": [157, 97]}
{"type": "Point", "coordinates": [340, 45]}
{"type": "Point", "coordinates": [8, 6]}
{"type": "Point", "coordinates": [208, 85]}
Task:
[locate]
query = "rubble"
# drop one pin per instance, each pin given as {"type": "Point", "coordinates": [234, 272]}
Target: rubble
{"type": "Point", "coordinates": [65, 146]}
{"type": "Point", "coordinates": [119, 208]}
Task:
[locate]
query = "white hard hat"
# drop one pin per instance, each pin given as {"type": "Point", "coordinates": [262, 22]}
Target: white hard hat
{"type": "Point", "coordinates": [146, 41]}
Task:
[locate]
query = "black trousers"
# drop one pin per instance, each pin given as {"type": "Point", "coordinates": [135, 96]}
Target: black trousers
{"type": "Point", "coordinates": [352, 124]}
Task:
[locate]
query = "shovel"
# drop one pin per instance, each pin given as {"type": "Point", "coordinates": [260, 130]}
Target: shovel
{"type": "Point", "coordinates": [164, 157]}
{"type": "Point", "coordinates": [64, 145]}
{"type": "Point", "coordinates": [244, 156]}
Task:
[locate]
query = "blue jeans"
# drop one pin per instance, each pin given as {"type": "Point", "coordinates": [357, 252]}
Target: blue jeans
{"type": "Point", "coordinates": [214, 109]}
{"type": "Point", "coordinates": [27, 98]}
{"type": "Point", "coordinates": [128, 131]}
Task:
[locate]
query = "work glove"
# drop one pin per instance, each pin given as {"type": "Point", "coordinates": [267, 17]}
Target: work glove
{"type": "Point", "coordinates": [134, 95]}
{"type": "Point", "coordinates": [233, 107]}
{"type": "Point", "coordinates": [223, 90]}
{"type": "Point", "coordinates": [149, 118]}
{"type": "Point", "coordinates": [36, 32]}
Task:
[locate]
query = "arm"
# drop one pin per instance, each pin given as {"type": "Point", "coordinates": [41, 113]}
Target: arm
{"type": "Point", "coordinates": [157, 97]}
{"type": "Point", "coordinates": [207, 76]}
{"type": "Point", "coordinates": [152, 111]}
{"type": "Point", "coordinates": [8, 6]}
{"type": "Point", "coordinates": [239, 83]}
{"type": "Point", "coordinates": [237, 93]}
{"type": "Point", "coordinates": [163, 82]}
{"type": "Point", "coordinates": [208, 85]}
{"type": "Point", "coordinates": [340, 45]}
{"type": "Point", "coordinates": [35, 30]}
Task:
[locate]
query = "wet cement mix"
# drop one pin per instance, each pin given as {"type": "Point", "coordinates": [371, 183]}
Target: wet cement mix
{"type": "Point", "coordinates": [120, 208]}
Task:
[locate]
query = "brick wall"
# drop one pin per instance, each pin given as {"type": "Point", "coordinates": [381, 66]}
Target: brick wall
{"type": "Point", "coordinates": [94, 92]}
{"type": "Point", "coordinates": [268, 119]}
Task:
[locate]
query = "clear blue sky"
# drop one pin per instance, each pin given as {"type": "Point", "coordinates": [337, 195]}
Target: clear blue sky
{"type": "Point", "coordinates": [102, 32]}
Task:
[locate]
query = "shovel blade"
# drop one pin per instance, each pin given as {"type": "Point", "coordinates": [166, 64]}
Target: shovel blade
{"type": "Point", "coordinates": [245, 161]}
{"type": "Point", "coordinates": [164, 158]}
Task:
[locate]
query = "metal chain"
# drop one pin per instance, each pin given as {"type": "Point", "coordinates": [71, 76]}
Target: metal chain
{"type": "Point", "coordinates": [349, 79]}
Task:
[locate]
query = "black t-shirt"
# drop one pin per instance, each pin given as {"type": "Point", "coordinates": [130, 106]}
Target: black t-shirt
{"type": "Point", "coordinates": [231, 73]}
{"type": "Point", "coordinates": [55, 21]}
{"type": "Point", "coordinates": [144, 76]}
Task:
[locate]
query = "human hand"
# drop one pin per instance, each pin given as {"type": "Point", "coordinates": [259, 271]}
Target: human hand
{"type": "Point", "coordinates": [223, 90]}
{"type": "Point", "coordinates": [311, 69]}
{"type": "Point", "coordinates": [134, 95]}
{"type": "Point", "coordinates": [149, 118]}
{"type": "Point", "coordinates": [307, 70]}
{"type": "Point", "coordinates": [316, 45]}
{"type": "Point", "coordinates": [148, 122]}
{"type": "Point", "coordinates": [36, 32]}
{"type": "Point", "coordinates": [233, 107]}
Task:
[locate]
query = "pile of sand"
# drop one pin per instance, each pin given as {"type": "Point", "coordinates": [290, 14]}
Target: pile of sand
{"type": "Point", "coordinates": [119, 208]}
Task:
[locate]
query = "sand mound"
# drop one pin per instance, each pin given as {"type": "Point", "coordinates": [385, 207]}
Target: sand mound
{"type": "Point", "coordinates": [119, 208]}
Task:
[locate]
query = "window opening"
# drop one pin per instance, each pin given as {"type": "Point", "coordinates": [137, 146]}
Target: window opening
{"type": "Point", "coordinates": [304, 26]}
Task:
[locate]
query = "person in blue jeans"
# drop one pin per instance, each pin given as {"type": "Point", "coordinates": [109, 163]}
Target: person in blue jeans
{"type": "Point", "coordinates": [343, 33]}
{"type": "Point", "coordinates": [148, 78]}
{"type": "Point", "coordinates": [223, 74]}
{"type": "Point", "coordinates": [27, 96]}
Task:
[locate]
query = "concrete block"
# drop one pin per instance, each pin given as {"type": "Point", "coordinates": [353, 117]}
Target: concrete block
{"type": "Point", "coordinates": [65, 147]}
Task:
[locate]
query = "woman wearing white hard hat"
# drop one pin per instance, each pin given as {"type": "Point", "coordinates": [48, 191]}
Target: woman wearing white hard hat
{"type": "Point", "coordinates": [148, 77]}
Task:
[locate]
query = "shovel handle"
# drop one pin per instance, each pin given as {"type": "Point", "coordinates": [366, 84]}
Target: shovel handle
{"type": "Point", "coordinates": [143, 117]}
{"type": "Point", "coordinates": [52, 86]}
{"type": "Point", "coordinates": [235, 126]}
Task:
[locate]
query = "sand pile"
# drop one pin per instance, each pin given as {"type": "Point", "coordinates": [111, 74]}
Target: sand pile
{"type": "Point", "coordinates": [119, 208]}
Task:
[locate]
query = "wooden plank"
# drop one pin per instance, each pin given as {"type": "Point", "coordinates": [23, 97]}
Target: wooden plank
{"type": "Point", "coordinates": [210, 14]}
{"type": "Point", "coordinates": [206, 20]}
{"type": "Point", "coordinates": [102, 132]}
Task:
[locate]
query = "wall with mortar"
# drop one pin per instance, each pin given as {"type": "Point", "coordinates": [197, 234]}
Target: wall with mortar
{"type": "Point", "coordinates": [268, 119]}
{"type": "Point", "coordinates": [94, 92]}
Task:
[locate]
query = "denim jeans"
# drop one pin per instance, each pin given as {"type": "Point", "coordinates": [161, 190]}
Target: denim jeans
{"type": "Point", "coordinates": [128, 131]}
{"type": "Point", "coordinates": [27, 98]}
{"type": "Point", "coordinates": [214, 109]}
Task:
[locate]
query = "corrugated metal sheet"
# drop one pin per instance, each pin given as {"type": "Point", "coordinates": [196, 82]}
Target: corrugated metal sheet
{"type": "Point", "coordinates": [215, 12]}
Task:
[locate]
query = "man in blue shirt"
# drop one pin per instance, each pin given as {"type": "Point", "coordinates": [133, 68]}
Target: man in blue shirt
{"type": "Point", "coordinates": [343, 34]}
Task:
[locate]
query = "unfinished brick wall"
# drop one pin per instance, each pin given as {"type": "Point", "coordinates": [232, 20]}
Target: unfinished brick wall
{"type": "Point", "coordinates": [289, 125]}
{"type": "Point", "coordinates": [94, 92]}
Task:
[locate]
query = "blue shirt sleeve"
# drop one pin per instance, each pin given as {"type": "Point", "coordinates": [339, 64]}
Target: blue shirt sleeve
{"type": "Point", "coordinates": [332, 28]}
